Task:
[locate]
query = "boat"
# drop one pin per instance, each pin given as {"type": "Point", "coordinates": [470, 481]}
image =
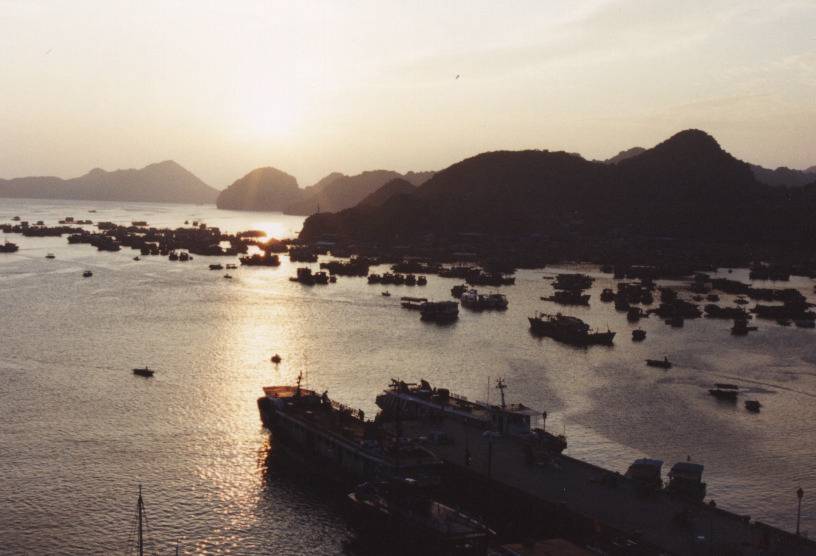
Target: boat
{"type": "Point", "coordinates": [386, 293]}
{"type": "Point", "coordinates": [804, 323]}
{"type": "Point", "coordinates": [228, 276]}
{"type": "Point", "coordinates": [422, 281]}
{"type": "Point", "coordinates": [137, 258]}
{"type": "Point", "coordinates": [638, 335]}
{"type": "Point", "coordinates": [741, 301]}
{"type": "Point", "coordinates": [568, 297]}
{"type": "Point", "coordinates": [660, 363]}
{"type": "Point", "coordinates": [472, 299]}
{"type": "Point", "coordinates": [439, 311]}
{"type": "Point", "coordinates": [412, 303]}
{"type": "Point", "coordinates": [675, 321]}
{"type": "Point", "coordinates": [231, 266]}
{"type": "Point", "coordinates": [741, 328]}
{"type": "Point", "coordinates": [634, 314]}
{"type": "Point", "coordinates": [143, 371]}
{"type": "Point", "coordinates": [50, 256]}
{"type": "Point", "coordinates": [458, 290]}
{"type": "Point", "coordinates": [607, 295]}
{"type": "Point", "coordinates": [276, 359]}
{"type": "Point", "coordinates": [265, 259]}
{"type": "Point", "coordinates": [399, 512]}
{"type": "Point", "coordinates": [570, 330]}
{"type": "Point", "coordinates": [8, 247]}
{"type": "Point", "coordinates": [216, 267]}
{"type": "Point", "coordinates": [686, 481]}
{"type": "Point", "coordinates": [87, 274]}
{"type": "Point", "coordinates": [753, 405]}
{"type": "Point", "coordinates": [407, 401]}
{"type": "Point", "coordinates": [337, 440]}
{"type": "Point", "coordinates": [305, 276]}
{"type": "Point", "coordinates": [724, 391]}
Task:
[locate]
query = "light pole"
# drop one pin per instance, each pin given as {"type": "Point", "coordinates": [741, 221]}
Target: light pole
{"type": "Point", "coordinates": [799, 494]}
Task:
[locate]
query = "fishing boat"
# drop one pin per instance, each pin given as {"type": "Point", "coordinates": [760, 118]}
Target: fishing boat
{"type": "Point", "coordinates": [8, 247]}
{"type": "Point", "coordinates": [386, 293]}
{"type": "Point", "coordinates": [228, 276]}
{"type": "Point", "coordinates": [638, 335]}
{"type": "Point", "coordinates": [645, 473]}
{"type": "Point", "coordinates": [439, 311]}
{"type": "Point", "coordinates": [660, 363]}
{"type": "Point", "coordinates": [87, 274]}
{"type": "Point", "coordinates": [753, 405]}
{"type": "Point", "coordinates": [50, 256]}
{"type": "Point", "coordinates": [145, 371]}
{"type": "Point", "coordinates": [216, 267]}
{"type": "Point", "coordinates": [686, 481]}
{"type": "Point", "coordinates": [412, 303]}
{"type": "Point", "coordinates": [724, 391]}
{"type": "Point", "coordinates": [276, 359]}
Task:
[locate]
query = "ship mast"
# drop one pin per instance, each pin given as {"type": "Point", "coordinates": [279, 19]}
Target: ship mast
{"type": "Point", "coordinates": [501, 386]}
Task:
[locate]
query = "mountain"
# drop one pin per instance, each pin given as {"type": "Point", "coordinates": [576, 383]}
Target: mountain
{"type": "Point", "coordinates": [685, 187]}
{"type": "Point", "coordinates": [397, 186]}
{"type": "Point", "coordinates": [623, 155]}
{"type": "Point", "coordinates": [163, 182]}
{"type": "Point", "coordinates": [341, 192]}
{"type": "Point", "coordinates": [262, 189]}
{"type": "Point", "coordinates": [784, 176]}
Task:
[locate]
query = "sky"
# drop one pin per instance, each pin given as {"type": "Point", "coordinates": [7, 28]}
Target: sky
{"type": "Point", "coordinates": [311, 87]}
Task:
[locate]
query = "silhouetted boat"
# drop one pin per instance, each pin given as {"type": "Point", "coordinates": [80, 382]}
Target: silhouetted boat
{"type": "Point", "coordinates": [87, 274]}
{"type": "Point", "coordinates": [686, 480]}
{"type": "Point", "coordinates": [638, 335]}
{"type": "Point", "coordinates": [724, 391]}
{"type": "Point", "coordinates": [752, 405]}
{"type": "Point", "coordinates": [570, 330]}
{"type": "Point", "coordinates": [143, 371]}
{"type": "Point", "coordinates": [216, 267]}
{"type": "Point", "coordinates": [386, 293]}
{"type": "Point", "coordinates": [660, 363]}
{"type": "Point", "coordinates": [8, 247]}
{"type": "Point", "coordinates": [276, 359]}
{"type": "Point", "coordinates": [413, 303]}
{"type": "Point", "coordinates": [50, 256]}
{"type": "Point", "coordinates": [228, 276]}
{"type": "Point", "coordinates": [439, 311]}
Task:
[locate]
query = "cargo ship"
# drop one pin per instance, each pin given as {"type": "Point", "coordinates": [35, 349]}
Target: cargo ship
{"type": "Point", "coordinates": [417, 401]}
{"type": "Point", "coordinates": [337, 439]}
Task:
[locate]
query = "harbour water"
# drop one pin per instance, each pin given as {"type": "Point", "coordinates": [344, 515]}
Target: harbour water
{"type": "Point", "coordinates": [79, 432]}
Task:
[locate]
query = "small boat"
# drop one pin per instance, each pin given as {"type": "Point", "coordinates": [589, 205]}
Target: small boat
{"type": "Point", "coordinates": [741, 327]}
{"type": "Point", "coordinates": [231, 266]}
{"type": "Point", "coordinates": [143, 371]}
{"type": "Point", "coordinates": [276, 359]}
{"type": "Point", "coordinates": [386, 294]}
{"type": "Point", "coordinates": [752, 405]}
{"type": "Point", "coordinates": [741, 301]}
{"type": "Point", "coordinates": [723, 391]}
{"type": "Point", "coordinates": [87, 274]}
{"type": "Point", "coordinates": [137, 258]}
{"type": "Point", "coordinates": [228, 276]}
{"type": "Point", "coordinates": [216, 267]}
{"type": "Point", "coordinates": [660, 363]}
{"type": "Point", "coordinates": [50, 256]}
{"type": "Point", "coordinates": [638, 335]}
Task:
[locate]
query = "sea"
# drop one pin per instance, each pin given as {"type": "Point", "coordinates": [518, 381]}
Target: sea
{"type": "Point", "coordinates": [80, 434]}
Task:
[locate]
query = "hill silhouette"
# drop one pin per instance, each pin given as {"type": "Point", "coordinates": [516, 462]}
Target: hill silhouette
{"type": "Point", "coordinates": [685, 187]}
{"type": "Point", "coordinates": [262, 189]}
{"type": "Point", "coordinates": [397, 186]}
{"type": "Point", "coordinates": [341, 192]}
{"type": "Point", "coordinates": [162, 182]}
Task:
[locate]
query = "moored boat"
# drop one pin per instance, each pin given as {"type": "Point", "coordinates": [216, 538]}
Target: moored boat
{"type": "Point", "coordinates": [570, 330]}
{"type": "Point", "coordinates": [439, 311]}
{"type": "Point", "coordinates": [660, 363]}
{"type": "Point", "coordinates": [724, 391]}
{"type": "Point", "coordinates": [753, 405]}
{"type": "Point", "coordinates": [638, 335]}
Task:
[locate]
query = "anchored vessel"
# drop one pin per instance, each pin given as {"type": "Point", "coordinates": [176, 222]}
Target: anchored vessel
{"type": "Point", "coordinates": [570, 330]}
{"type": "Point", "coordinates": [337, 438]}
{"type": "Point", "coordinates": [414, 401]}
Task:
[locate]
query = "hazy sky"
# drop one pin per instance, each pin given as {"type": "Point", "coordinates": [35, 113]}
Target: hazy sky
{"type": "Point", "coordinates": [311, 87]}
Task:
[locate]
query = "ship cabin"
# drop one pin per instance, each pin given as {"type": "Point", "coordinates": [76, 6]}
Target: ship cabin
{"type": "Point", "coordinates": [646, 473]}
{"type": "Point", "coordinates": [686, 480]}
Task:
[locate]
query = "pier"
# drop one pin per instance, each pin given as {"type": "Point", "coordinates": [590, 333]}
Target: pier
{"type": "Point", "coordinates": [562, 495]}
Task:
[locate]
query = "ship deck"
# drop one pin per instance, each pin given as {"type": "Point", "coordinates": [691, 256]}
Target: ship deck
{"type": "Point", "coordinates": [585, 490]}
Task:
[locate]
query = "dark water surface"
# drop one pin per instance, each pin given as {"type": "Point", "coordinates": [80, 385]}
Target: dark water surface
{"type": "Point", "coordinates": [79, 432]}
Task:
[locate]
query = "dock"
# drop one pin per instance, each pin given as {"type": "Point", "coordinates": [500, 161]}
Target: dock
{"type": "Point", "coordinates": [585, 501]}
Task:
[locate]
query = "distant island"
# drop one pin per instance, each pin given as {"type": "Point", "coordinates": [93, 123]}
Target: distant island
{"type": "Point", "coordinates": [685, 191]}
{"type": "Point", "coordinates": [270, 189]}
{"type": "Point", "coordinates": [163, 182]}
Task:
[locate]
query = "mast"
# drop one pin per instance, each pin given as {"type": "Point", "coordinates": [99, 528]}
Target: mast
{"type": "Point", "coordinates": [501, 386]}
{"type": "Point", "coordinates": [140, 509]}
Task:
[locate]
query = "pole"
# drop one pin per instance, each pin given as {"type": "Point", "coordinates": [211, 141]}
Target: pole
{"type": "Point", "coordinates": [799, 494]}
{"type": "Point", "coordinates": [139, 505]}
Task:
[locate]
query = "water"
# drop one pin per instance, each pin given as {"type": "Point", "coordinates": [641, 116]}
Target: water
{"type": "Point", "coordinates": [79, 432]}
